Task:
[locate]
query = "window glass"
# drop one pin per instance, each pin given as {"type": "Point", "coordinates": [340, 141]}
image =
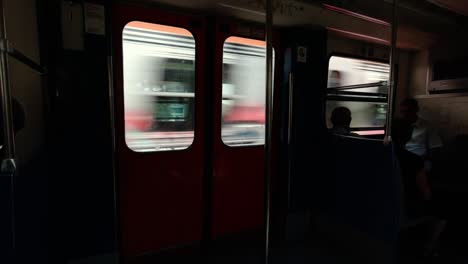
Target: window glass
{"type": "Point", "coordinates": [364, 114]}
{"type": "Point", "coordinates": [244, 92]}
{"type": "Point", "coordinates": [350, 71]}
{"type": "Point", "coordinates": [159, 87]}
{"type": "Point", "coordinates": [361, 86]}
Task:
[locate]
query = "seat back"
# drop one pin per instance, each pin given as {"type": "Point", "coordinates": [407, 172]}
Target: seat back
{"type": "Point", "coordinates": [367, 187]}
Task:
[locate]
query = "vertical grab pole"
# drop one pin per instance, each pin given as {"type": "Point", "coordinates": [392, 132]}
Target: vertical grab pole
{"type": "Point", "coordinates": [110, 75]}
{"type": "Point", "coordinates": [8, 167]}
{"type": "Point", "coordinates": [392, 90]}
{"type": "Point", "coordinates": [8, 133]}
{"type": "Point", "coordinates": [393, 74]}
{"type": "Point", "coordinates": [269, 123]}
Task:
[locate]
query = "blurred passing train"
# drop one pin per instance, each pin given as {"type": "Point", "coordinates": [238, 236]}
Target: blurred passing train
{"type": "Point", "coordinates": [159, 89]}
{"type": "Point", "coordinates": [361, 86]}
{"type": "Point", "coordinates": [159, 85]}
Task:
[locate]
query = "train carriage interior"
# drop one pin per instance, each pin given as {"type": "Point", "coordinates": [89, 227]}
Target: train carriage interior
{"type": "Point", "coordinates": [234, 131]}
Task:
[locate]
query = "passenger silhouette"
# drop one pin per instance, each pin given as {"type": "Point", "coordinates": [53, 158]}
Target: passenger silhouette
{"type": "Point", "coordinates": [416, 141]}
{"type": "Point", "coordinates": [341, 120]}
{"type": "Point", "coordinates": [424, 140]}
{"type": "Point", "coordinates": [334, 79]}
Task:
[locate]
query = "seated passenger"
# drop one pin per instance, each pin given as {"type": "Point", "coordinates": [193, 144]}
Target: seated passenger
{"type": "Point", "coordinates": [416, 141]}
{"type": "Point", "coordinates": [424, 140]}
{"type": "Point", "coordinates": [341, 120]}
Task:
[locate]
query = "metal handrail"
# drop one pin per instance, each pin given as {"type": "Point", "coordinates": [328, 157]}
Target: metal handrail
{"type": "Point", "coordinates": [7, 47]}
{"type": "Point", "coordinates": [8, 167]}
{"type": "Point", "coordinates": [382, 100]}
{"type": "Point", "coordinates": [357, 93]}
{"type": "Point", "coordinates": [8, 130]}
{"type": "Point", "coordinates": [359, 86]}
{"type": "Point", "coordinates": [269, 123]}
{"type": "Point", "coordinates": [393, 74]}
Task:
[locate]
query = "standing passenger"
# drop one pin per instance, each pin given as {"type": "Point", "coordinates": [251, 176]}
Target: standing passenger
{"type": "Point", "coordinates": [424, 140]}
{"type": "Point", "coordinates": [417, 142]}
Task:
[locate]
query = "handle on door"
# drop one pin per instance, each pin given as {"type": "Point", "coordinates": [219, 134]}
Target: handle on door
{"type": "Point", "coordinates": [290, 105]}
{"type": "Point", "coordinates": [290, 131]}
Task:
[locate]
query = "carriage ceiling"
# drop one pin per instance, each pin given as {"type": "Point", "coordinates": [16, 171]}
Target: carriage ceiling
{"type": "Point", "coordinates": [421, 23]}
{"type": "Point", "coordinates": [456, 6]}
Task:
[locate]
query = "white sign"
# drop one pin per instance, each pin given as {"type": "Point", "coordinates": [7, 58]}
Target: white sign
{"type": "Point", "coordinates": [301, 54]}
{"type": "Point", "coordinates": [95, 19]}
{"type": "Point", "coordinates": [72, 26]}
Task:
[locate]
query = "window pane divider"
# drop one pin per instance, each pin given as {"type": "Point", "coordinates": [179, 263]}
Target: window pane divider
{"type": "Point", "coordinates": [164, 94]}
{"type": "Point", "coordinates": [382, 100]}
{"type": "Point", "coordinates": [358, 86]}
{"type": "Point", "coordinates": [358, 93]}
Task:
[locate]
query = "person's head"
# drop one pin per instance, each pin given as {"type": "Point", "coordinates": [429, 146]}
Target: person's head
{"type": "Point", "coordinates": [334, 79]}
{"type": "Point", "coordinates": [409, 109]}
{"type": "Point", "coordinates": [341, 117]}
{"type": "Point", "coordinates": [335, 74]}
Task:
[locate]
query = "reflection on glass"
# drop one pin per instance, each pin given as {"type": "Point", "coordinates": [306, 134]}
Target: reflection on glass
{"type": "Point", "coordinates": [364, 114]}
{"type": "Point", "coordinates": [365, 104]}
{"type": "Point", "coordinates": [350, 71]}
{"type": "Point", "coordinates": [244, 88]}
{"type": "Point", "coordinates": [159, 68]}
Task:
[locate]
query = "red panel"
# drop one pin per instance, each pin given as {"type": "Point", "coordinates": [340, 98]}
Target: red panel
{"type": "Point", "coordinates": [238, 190]}
{"type": "Point", "coordinates": [160, 194]}
{"type": "Point", "coordinates": [238, 172]}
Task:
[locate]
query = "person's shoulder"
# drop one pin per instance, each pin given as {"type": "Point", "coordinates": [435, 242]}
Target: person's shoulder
{"type": "Point", "coordinates": [425, 124]}
{"type": "Point", "coordinates": [422, 121]}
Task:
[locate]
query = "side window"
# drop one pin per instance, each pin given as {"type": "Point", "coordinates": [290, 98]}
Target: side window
{"type": "Point", "coordinates": [361, 86]}
{"type": "Point", "coordinates": [159, 87]}
{"type": "Point", "coordinates": [244, 91]}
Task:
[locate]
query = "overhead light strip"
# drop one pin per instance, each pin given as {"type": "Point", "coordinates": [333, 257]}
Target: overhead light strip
{"type": "Point", "coordinates": [242, 9]}
{"type": "Point", "coordinates": [359, 36]}
{"type": "Point", "coordinates": [448, 6]}
{"type": "Point", "coordinates": [354, 14]}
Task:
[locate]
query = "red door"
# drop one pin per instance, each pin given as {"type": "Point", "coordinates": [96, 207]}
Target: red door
{"type": "Point", "coordinates": [239, 131]}
{"type": "Point", "coordinates": [158, 62]}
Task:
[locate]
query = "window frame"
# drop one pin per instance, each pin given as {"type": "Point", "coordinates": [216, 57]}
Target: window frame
{"type": "Point", "coordinates": [221, 85]}
{"type": "Point", "coordinates": [350, 99]}
{"type": "Point", "coordinates": [195, 81]}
